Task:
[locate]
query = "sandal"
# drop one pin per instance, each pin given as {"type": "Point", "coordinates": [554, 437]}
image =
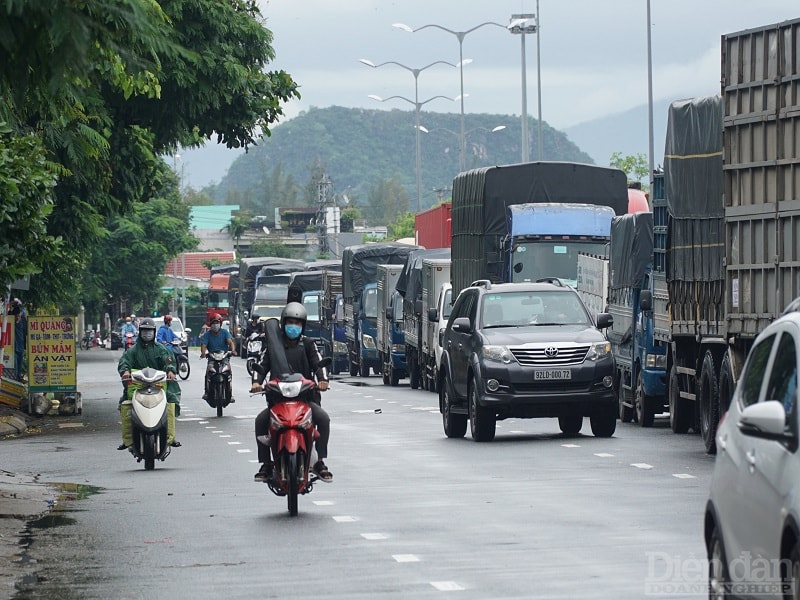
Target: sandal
{"type": "Point", "coordinates": [322, 472]}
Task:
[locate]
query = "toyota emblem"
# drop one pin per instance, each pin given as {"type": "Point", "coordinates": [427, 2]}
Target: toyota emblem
{"type": "Point", "coordinates": [551, 352]}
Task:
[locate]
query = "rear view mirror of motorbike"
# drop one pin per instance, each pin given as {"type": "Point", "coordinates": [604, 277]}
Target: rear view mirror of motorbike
{"type": "Point", "coordinates": [325, 362]}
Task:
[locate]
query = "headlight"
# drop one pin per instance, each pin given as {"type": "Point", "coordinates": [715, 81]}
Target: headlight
{"type": "Point", "coordinates": [367, 341]}
{"type": "Point", "coordinates": [340, 347]}
{"type": "Point", "coordinates": [656, 361]}
{"type": "Point", "coordinates": [599, 350]}
{"type": "Point", "coordinates": [398, 347]}
{"type": "Point", "coordinates": [497, 354]}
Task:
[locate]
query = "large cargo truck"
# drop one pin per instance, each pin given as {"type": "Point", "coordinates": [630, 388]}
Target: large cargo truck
{"type": "Point", "coordinates": [333, 319]}
{"type": "Point", "coordinates": [434, 226]}
{"type": "Point", "coordinates": [390, 337]}
{"type": "Point", "coordinates": [409, 285]}
{"type": "Point", "coordinates": [529, 221]}
{"type": "Point", "coordinates": [360, 292]}
{"type": "Point", "coordinates": [731, 181]}
{"type": "Point", "coordinates": [437, 301]}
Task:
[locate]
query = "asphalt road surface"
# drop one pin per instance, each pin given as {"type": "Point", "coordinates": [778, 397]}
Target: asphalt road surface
{"type": "Point", "coordinates": [410, 514]}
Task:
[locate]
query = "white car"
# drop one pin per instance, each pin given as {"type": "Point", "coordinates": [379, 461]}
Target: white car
{"type": "Point", "coordinates": [177, 326]}
{"type": "Point", "coordinates": [752, 523]}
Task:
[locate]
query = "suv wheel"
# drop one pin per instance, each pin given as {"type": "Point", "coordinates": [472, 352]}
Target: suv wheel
{"type": "Point", "coordinates": [571, 424]}
{"type": "Point", "coordinates": [604, 424]}
{"type": "Point", "coordinates": [717, 567]}
{"type": "Point", "coordinates": [482, 421]}
{"type": "Point", "coordinates": [455, 425]}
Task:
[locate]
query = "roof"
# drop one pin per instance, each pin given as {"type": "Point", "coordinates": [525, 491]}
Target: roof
{"type": "Point", "coordinates": [193, 263]}
{"type": "Point", "coordinates": [214, 217]}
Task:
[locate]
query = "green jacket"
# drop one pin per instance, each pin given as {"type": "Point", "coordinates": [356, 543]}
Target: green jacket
{"type": "Point", "coordinates": [154, 355]}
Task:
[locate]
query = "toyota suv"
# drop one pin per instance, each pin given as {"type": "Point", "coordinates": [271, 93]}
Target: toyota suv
{"type": "Point", "coordinates": [525, 350]}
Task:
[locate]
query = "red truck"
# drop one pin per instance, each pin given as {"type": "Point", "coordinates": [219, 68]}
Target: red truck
{"type": "Point", "coordinates": [434, 226]}
{"type": "Point", "coordinates": [217, 300]}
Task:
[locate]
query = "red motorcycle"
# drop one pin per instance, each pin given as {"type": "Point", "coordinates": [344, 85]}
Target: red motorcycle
{"type": "Point", "coordinates": [291, 437]}
{"type": "Point", "coordinates": [130, 340]}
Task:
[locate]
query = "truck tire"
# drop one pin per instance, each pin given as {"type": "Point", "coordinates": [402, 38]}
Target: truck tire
{"type": "Point", "coordinates": [708, 401]}
{"type": "Point", "coordinates": [680, 409]}
{"type": "Point", "coordinates": [353, 369]}
{"type": "Point", "coordinates": [363, 368]}
{"type": "Point", "coordinates": [645, 411]}
{"type": "Point", "coordinates": [386, 370]}
{"type": "Point", "coordinates": [726, 385]}
{"type": "Point", "coordinates": [623, 396]}
{"type": "Point", "coordinates": [394, 377]}
{"type": "Point", "coordinates": [413, 376]}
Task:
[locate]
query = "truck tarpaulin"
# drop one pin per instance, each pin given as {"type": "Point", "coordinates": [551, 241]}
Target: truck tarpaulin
{"type": "Point", "coordinates": [630, 257]}
{"type": "Point", "coordinates": [409, 284]}
{"type": "Point", "coordinates": [360, 263]}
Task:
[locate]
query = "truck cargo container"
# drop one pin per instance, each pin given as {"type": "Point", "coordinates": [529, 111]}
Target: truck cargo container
{"type": "Point", "coordinates": [390, 338]}
{"type": "Point", "coordinates": [434, 226]}
{"type": "Point", "coordinates": [332, 314]}
{"type": "Point", "coordinates": [437, 301]}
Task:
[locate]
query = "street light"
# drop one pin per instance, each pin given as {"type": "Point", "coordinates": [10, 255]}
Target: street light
{"type": "Point", "coordinates": [417, 106]}
{"type": "Point", "coordinates": [460, 35]}
{"type": "Point", "coordinates": [466, 133]}
{"type": "Point", "coordinates": [522, 24]}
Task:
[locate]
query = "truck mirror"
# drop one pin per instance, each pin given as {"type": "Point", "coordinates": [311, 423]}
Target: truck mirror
{"type": "Point", "coordinates": [646, 300]}
{"type": "Point", "coordinates": [418, 307]}
{"type": "Point", "coordinates": [433, 314]}
{"type": "Point", "coordinates": [518, 268]}
{"type": "Point", "coordinates": [388, 313]}
{"type": "Point", "coordinates": [604, 320]}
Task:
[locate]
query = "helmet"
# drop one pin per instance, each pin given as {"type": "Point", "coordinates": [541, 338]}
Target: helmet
{"type": "Point", "coordinates": [216, 318]}
{"type": "Point", "coordinates": [133, 316]}
{"type": "Point", "coordinates": [167, 319]}
{"type": "Point", "coordinates": [147, 323]}
{"type": "Point", "coordinates": [294, 310]}
{"type": "Point", "coordinates": [254, 317]}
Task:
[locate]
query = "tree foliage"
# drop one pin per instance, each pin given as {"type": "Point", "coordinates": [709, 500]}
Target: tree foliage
{"type": "Point", "coordinates": [634, 166]}
{"type": "Point", "coordinates": [403, 227]}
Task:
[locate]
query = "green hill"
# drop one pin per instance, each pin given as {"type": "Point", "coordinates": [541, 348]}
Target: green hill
{"type": "Point", "coordinates": [360, 149]}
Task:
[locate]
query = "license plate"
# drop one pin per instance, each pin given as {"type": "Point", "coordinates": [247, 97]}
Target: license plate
{"type": "Point", "coordinates": [551, 374]}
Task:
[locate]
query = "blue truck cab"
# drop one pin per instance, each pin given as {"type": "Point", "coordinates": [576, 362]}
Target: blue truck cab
{"type": "Point", "coordinates": [367, 323]}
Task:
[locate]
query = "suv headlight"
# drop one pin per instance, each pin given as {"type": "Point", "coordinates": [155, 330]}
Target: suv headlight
{"type": "Point", "coordinates": [497, 354]}
{"type": "Point", "coordinates": [599, 350]}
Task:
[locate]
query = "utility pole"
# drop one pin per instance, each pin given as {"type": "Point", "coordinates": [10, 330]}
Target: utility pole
{"type": "Point", "coordinates": [323, 188]}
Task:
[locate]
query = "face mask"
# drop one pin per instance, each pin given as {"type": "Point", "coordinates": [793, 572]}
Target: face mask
{"type": "Point", "coordinates": [293, 331]}
{"type": "Point", "coordinates": [147, 335]}
{"type": "Point", "coordinates": [216, 327]}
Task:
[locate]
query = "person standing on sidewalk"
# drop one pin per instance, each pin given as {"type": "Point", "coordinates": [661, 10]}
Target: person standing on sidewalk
{"type": "Point", "coordinates": [20, 335]}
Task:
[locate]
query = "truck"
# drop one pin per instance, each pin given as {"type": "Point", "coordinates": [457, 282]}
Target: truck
{"type": "Point", "coordinates": [332, 314]}
{"type": "Point", "coordinates": [217, 298]}
{"type": "Point", "coordinates": [437, 300]}
{"type": "Point", "coordinates": [433, 227]}
{"type": "Point", "coordinates": [359, 288]}
{"type": "Point", "coordinates": [390, 338]}
{"type": "Point", "coordinates": [641, 376]}
{"type": "Point", "coordinates": [409, 285]}
{"type": "Point", "coordinates": [524, 222]}
{"type": "Point", "coordinates": [305, 287]}
{"type": "Point", "coordinates": [725, 232]}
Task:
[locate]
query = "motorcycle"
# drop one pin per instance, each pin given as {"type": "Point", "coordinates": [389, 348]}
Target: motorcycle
{"type": "Point", "coordinates": [148, 407]}
{"type": "Point", "coordinates": [130, 340]}
{"type": "Point", "coordinates": [218, 376]}
{"type": "Point", "coordinates": [88, 340]}
{"type": "Point", "coordinates": [254, 345]}
{"type": "Point", "coordinates": [181, 359]}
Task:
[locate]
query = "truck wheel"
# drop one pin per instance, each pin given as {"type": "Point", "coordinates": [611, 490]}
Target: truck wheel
{"type": "Point", "coordinates": [726, 384]}
{"type": "Point", "coordinates": [643, 403]}
{"type": "Point", "coordinates": [604, 424]}
{"type": "Point", "coordinates": [680, 409]}
{"type": "Point", "coordinates": [353, 369]}
{"type": "Point", "coordinates": [363, 368]}
{"type": "Point", "coordinates": [482, 421]}
{"type": "Point", "coordinates": [394, 377]}
{"type": "Point", "coordinates": [570, 425]}
{"type": "Point", "coordinates": [708, 402]}
{"type": "Point", "coordinates": [386, 371]}
{"type": "Point", "coordinates": [623, 396]}
{"type": "Point", "coordinates": [455, 425]}
{"type": "Point", "coordinates": [414, 376]}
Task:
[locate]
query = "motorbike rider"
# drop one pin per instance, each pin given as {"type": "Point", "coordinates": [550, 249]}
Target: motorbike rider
{"type": "Point", "coordinates": [253, 326]}
{"type": "Point", "coordinates": [216, 339]}
{"type": "Point", "coordinates": [128, 327]}
{"type": "Point", "coordinates": [165, 335]}
{"type": "Point", "coordinates": [146, 352]}
{"type": "Point", "coordinates": [303, 358]}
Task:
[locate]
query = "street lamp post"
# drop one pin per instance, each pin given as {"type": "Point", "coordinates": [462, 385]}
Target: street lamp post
{"type": "Point", "coordinates": [522, 24]}
{"type": "Point", "coordinates": [460, 35]}
{"type": "Point", "coordinates": [417, 105]}
{"type": "Point", "coordinates": [457, 134]}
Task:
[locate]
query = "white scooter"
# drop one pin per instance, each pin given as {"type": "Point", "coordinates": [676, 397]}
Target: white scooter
{"type": "Point", "coordinates": [149, 416]}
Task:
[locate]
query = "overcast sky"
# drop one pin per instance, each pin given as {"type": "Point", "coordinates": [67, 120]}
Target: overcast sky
{"type": "Point", "coordinates": [593, 52]}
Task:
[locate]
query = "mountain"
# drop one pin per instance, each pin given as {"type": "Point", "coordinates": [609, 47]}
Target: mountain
{"type": "Point", "coordinates": [359, 148]}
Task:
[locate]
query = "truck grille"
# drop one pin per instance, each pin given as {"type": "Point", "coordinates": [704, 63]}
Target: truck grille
{"type": "Point", "coordinates": [541, 356]}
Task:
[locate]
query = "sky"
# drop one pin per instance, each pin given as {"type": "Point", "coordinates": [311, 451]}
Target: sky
{"type": "Point", "coordinates": [593, 55]}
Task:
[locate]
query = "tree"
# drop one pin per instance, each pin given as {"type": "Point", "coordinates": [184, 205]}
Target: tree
{"type": "Point", "coordinates": [238, 226]}
{"type": "Point", "coordinates": [403, 227]}
{"type": "Point", "coordinates": [386, 200]}
{"type": "Point", "coordinates": [634, 166]}
{"type": "Point", "coordinates": [347, 219]}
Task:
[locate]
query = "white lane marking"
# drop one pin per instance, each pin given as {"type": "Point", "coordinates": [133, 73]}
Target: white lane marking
{"type": "Point", "coordinates": [446, 586]}
{"type": "Point", "coordinates": [245, 416]}
{"type": "Point", "coordinates": [362, 411]}
{"type": "Point", "coordinates": [642, 466]}
{"type": "Point", "coordinates": [69, 425]}
{"type": "Point", "coordinates": [345, 519]}
{"type": "Point", "coordinates": [603, 454]}
{"type": "Point", "coordinates": [392, 402]}
{"type": "Point", "coordinates": [374, 536]}
{"type": "Point", "coordinates": [227, 435]}
{"type": "Point", "coordinates": [234, 443]}
{"type": "Point", "coordinates": [570, 445]}
{"type": "Point", "coordinates": [244, 451]}
{"type": "Point", "coordinates": [405, 558]}
{"type": "Point", "coordinates": [217, 430]}
{"type": "Point", "coordinates": [516, 431]}
{"type": "Point", "coordinates": [203, 423]}
{"type": "Point", "coordinates": [426, 408]}
{"type": "Point", "coordinates": [323, 502]}
{"type": "Point", "coordinates": [187, 419]}
{"type": "Point", "coordinates": [683, 476]}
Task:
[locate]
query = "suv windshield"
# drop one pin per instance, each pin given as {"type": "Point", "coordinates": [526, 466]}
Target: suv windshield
{"type": "Point", "coordinates": [514, 309]}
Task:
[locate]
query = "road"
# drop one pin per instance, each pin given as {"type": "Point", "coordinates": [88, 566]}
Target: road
{"type": "Point", "coordinates": [410, 515]}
